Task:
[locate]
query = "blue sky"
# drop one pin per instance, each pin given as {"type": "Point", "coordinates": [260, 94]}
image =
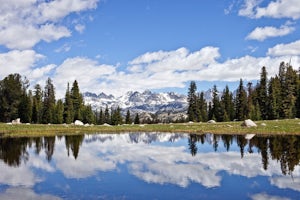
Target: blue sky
{"type": "Point", "coordinates": [113, 46]}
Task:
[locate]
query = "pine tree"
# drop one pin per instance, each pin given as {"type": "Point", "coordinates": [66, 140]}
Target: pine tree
{"type": "Point", "coordinates": [202, 107]}
{"type": "Point", "coordinates": [127, 118]}
{"type": "Point", "coordinates": [274, 98]}
{"type": "Point", "coordinates": [262, 94]}
{"type": "Point", "coordinates": [25, 107]}
{"type": "Point", "coordinates": [288, 81]}
{"type": "Point", "coordinates": [37, 104]}
{"type": "Point", "coordinates": [137, 119]}
{"type": "Point", "coordinates": [88, 115]}
{"type": "Point", "coordinates": [59, 112]}
{"type": "Point", "coordinates": [217, 109]}
{"type": "Point", "coordinates": [48, 102]}
{"type": "Point", "coordinates": [77, 101]}
{"type": "Point", "coordinates": [241, 102]}
{"type": "Point", "coordinates": [106, 116]}
{"type": "Point", "coordinates": [101, 117]}
{"type": "Point", "coordinates": [68, 107]}
{"type": "Point", "coordinates": [192, 103]}
{"type": "Point", "coordinates": [10, 96]}
{"type": "Point", "coordinates": [227, 102]}
{"type": "Point", "coordinates": [298, 96]}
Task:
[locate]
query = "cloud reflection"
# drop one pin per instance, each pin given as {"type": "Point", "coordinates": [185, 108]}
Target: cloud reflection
{"type": "Point", "coordinates": [25, 194]}
{"type": "Point", "coordinates": [162, 164]}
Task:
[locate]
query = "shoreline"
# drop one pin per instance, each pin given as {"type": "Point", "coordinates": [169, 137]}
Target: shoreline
{"type": "Point", "coordinates": [266, 127]}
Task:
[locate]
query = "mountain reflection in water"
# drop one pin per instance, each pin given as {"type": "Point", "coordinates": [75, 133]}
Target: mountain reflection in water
{"type": "Point", "coordinates": [155, 158]}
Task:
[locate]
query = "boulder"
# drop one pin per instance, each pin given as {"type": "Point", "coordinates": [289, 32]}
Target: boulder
{"type": "Point", "coordinates": [211, 121]}
{"type": "Point", "coordinates": [78, 123]}
{"type": "Point", "coordinates": [248, 123]}
{"type": "Point", "coordinates": [16, 121]}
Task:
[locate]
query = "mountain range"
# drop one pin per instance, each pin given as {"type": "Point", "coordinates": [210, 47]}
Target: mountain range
{"type": "Point", "coordinates": [164, 105]}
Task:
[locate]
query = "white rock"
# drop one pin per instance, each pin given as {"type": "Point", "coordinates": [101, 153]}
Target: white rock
{"type": "Point", "coordinates": [212, 121]}
{"type": "Point", "coordinates": [78, 123]}
{"type": "Point", "coordinates": [248, 123]}
{"type": "Point", "coordinates": [16, 121]}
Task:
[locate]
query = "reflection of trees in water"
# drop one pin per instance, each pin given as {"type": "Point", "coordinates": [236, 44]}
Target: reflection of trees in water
{"type": "Point", "coordinates": [285, 149]}
{"type": "Point", "coordinates": [74, 142]}
{"type": "Point", "coordinates": [49, 143]}
{"type": "Point", "coordinates": [13, 150]}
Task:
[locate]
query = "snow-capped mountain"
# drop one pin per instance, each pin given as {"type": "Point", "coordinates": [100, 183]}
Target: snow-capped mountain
{"type": "Point", "coordinates": [146, 101]}
{"type": "Point", "coordinates": [166, 107]}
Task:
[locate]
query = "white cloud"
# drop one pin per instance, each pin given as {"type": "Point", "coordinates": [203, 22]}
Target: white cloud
{"type": "Point", "coordinates": [264, 196]}
{"type": "Point", "coordinates": [248, 8]}
{"type": "Point", "coordinates": [25, 194]}
{"type": "Point", "coordinates": [275, 9]}
{"type": "Point", "coordinates": [79, 28]}
{"type": "Point", "coordinates": [20, 176]}
{"type": "Point", "coordinates": [285, 182]}
{"type": "Point", "coordinates": [18, 62]}
{"type": "Point", "coordinates": [291, 49]}
{"type": "Point", "coordinates": [280, 9]}
{"type": "Point", "coordinates": [262, 33]}
{"type": "Point", "coordinates": [86, 71]}
{"type": "Point", "coordinates": [24, 24]}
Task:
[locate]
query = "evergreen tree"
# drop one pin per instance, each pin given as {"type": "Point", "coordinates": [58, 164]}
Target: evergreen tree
{"type": "Point", "coordinates": [25, 107]}
{"type": "Point", "coordinates": [274, 98]}
{"type": "Point", "coordinates": [68, 107]}
{"type": "Point", "coordinates": [192, 103]}
{"type": "Point", "coordinates": [137, 119]}
{"type": "Point", "coordinates": [227, 102]}
{"type": "Point", "coordinates": [101, 117]}
{"type": "Point", "coordinates": [202, 107]}
{"type": "Point", "coordinates": [37, 104]}
{"type": "Point", "coordinates": [116, 117]}
{"type": "Point", "coordinates": [127, 118]}
{"type": "Point", "coordinates": [106, 116]}
{"type": "Point", "coordinates": [59, 112]}
{"type": "Point", "coordinates": [210, 111]}
{"type": "Point", "coordinates": [241, 102]}
{"type": "Point", "coordinates": [77, 101]}
{"type": "Point", "coordinates": [263, 94]}
{"type": "Point", "coordinates": [49, 103]}
{"type": "Point", "coordinates": [88, 115]}
{"type": "Point", "coordinates": [298, 96]}
{"type": "Point", "coordinates": [10, 96]}
{"type": "Point", "coordinates": [217, 109]}
{"type": "Point", "coordinates": [288, 82]}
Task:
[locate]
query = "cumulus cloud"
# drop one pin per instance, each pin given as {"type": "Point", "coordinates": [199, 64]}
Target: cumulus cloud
{"type": "Point", "coordinates": [162, 69]}
{"type": "Point", "coordinates": [24, 24]}
{"type": "Point", "coordinates": [274, 9]}
{"type": "Point", "coordinates": [290, 49]}
{"type": "Point", "coordinates": [86, 71]}
{"type": "Point", "coordinates": [17, 61]}
{"type": "Point", "coordinates": [262, 33]}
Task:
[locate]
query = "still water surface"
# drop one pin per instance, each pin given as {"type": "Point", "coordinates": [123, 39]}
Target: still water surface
{"type": "Point", "coordinates": [150, 166]}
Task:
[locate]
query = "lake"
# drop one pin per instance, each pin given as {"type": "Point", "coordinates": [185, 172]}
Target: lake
{"type": "Point", "coordinates": [150, 166]}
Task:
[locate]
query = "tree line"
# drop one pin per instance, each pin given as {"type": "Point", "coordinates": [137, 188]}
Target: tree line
{"type": "Point", "coordinates": [275, 98]}
{"type": "Point", "coordinates": [41, 107]}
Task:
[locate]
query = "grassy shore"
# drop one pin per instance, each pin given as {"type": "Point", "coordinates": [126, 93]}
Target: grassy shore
{"type": "Point", "coordinates": [286, 127]}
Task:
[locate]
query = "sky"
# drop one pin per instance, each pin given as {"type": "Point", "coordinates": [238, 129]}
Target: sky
{"type": "Point", "coordinates": [115, 46]}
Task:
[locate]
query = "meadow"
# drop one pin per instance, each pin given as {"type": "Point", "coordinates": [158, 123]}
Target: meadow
{"type": "Point", "coordinates": [281, 127]}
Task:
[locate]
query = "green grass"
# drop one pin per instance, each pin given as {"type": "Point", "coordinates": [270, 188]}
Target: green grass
{"type": "Point", "coordinates": [291, 126]}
